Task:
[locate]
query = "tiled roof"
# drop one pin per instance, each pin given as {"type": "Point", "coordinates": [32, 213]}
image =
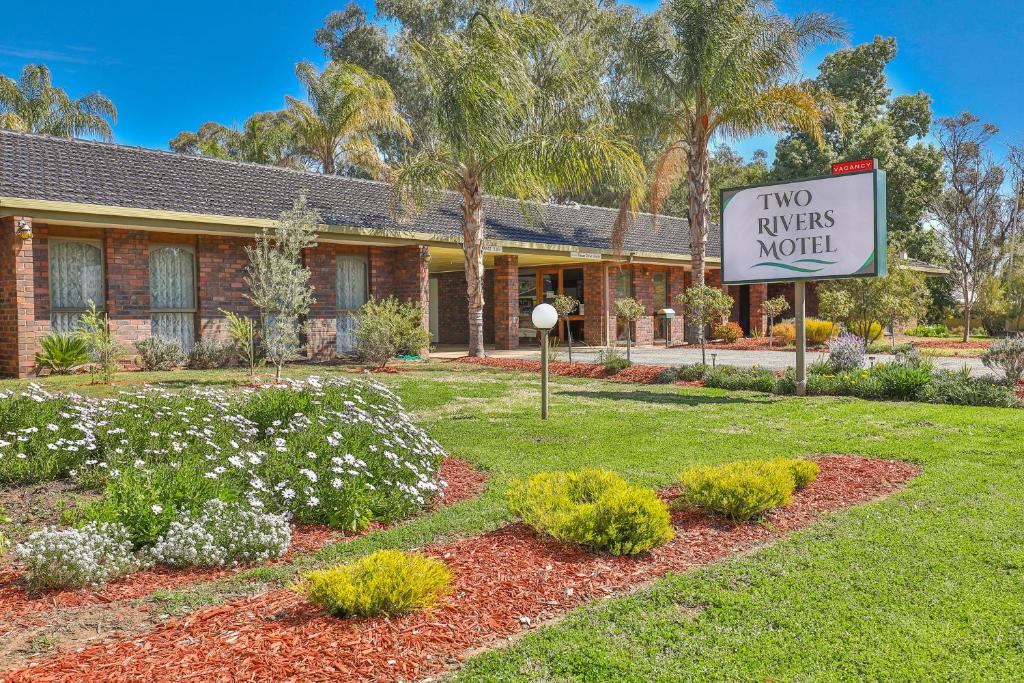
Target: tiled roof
{"type": "Point", "coordinates": [87, 172]}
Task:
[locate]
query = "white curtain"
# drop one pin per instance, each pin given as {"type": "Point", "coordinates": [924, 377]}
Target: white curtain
{"type": "Point", "coordinates": [76, 278]}
{"type": "Point", "coordinates": [173, 294]}
{"type": "Point", "coordinates": [351, 293]}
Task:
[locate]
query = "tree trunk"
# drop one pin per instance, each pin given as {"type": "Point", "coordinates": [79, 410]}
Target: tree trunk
{"type": "Point", "coordinates": [967, 319]}
{"type": "Point", "coordinates": [473, 248]}
{"type": "Point", "coordinates": [699, 187]}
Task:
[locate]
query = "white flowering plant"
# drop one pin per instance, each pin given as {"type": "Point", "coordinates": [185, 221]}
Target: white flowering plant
{"type": "Point", "coordinates": [90, 556]}
{"type": "Point", "coordinates": [340, 452]}
{"type": "Point", "coordinates": [223, 534]}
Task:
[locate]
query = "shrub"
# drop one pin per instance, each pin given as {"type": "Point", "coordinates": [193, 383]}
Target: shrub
{"type": "Point", "coordinates": [685, 373]}
{"type": "Point", "coordinates": [596, 509]}
{"type": "Point", "coordinates": [846, 353]}
{"type": "Point", "coordinates": [727, 332]}
{"type": "Point", "coordinates": [388, 327]}
{"type": "Point", "coordinates": [223, 534]}
{"type": "Point", "coordinates": [105, 351]}
{"type": "Point", "coordinates": [91, 555]}
{"type": "Point", "coordinates": [62, 353]}
{"type": "Point", "coordinates": [612, 361]}
{"type": "Point", "coordinates": [209, 354]}
{"type": "Point", "coordinates": [737, 379]}
{"type": "Point", "coordinates": [1006, 356]}
{"type": "Point", "coordinates": [868, 332]}
{"type": "Point", "coordinates": [910, 355]}
{"type": "Point", "coordinates": [818, 331]}
{"type": "Point", "coordinates": [385, 582]}
{"type": "Point", "coordinates": [244, 336]}
{"type": "Point", "coordinates": [803, 471]}
{"type": "Point", "coordinates": [936, 330]}
{"type": "Point", "coordinates": [160, 354]}
{"type": "Point", "coordinates": [900, 382]}
{"type": "Point", "coordinates": [958, 388]}
{"type": "Point", "coordinates": [739, 491]}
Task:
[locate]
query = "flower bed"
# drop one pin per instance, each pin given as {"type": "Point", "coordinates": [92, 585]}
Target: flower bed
{"type": "Point", "coordinates": [644, 374]}
{"type": "Point", "coordinates": [502, 580]}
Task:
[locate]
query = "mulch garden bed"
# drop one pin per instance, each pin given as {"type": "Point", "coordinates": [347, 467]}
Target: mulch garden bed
{"type": "Point", "coordinates": [644, 374]}
{"type": "Point", "coordinates": [950, 344]}
{"type": "Point", "coordinates": [464, 482]}
{"type": "Point", "coordinates": [505, 581]}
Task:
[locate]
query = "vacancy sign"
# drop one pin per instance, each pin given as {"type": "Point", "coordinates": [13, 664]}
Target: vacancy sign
{"type": "Point", "coordinates": [814, 229]}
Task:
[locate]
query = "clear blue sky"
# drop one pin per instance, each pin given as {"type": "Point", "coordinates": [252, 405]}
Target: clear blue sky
{"type": "Point", "coordinates": [171, 66]}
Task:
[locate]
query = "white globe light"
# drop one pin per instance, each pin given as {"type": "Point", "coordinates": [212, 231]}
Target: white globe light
{"type": "Point", "coordinates": [544, 317]}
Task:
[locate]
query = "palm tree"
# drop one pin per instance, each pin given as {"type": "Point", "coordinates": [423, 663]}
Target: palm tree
{"type": "Point", "coordinates": [493, 132]}
{"type": "Point", "coordinates": [31, 104]}
{"type": "Point", "coordinates": [265, 138]}
{"type": "Point", "coordinates": [720, 67]}
{"type": "Point", "coordinates": [346, 108]}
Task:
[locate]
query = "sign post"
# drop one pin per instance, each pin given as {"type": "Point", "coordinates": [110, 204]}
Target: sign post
{"type": "Point", "coordinates": [821, 228]}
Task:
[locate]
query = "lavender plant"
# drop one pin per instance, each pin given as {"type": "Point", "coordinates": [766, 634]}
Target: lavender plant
{"type": "Point", "coordinates": [846, 353]}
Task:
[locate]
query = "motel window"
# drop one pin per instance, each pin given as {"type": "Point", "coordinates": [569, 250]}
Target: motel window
{"type": "Point", "coordinates": [624, 284]}
{"type": "Point", "coordinates": [172, 286]}
{"type": "Point", "coordinates": [352, 291]}
{"type": "Point", "coordinates": [76, 278]}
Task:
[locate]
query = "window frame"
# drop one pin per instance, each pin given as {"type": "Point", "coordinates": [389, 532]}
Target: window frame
{"type": "Point", "coordinates": [154, 246]}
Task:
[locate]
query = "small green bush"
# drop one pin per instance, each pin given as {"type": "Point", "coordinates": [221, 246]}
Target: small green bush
{"type": "Point", "coordinates": [956, 388]}
{"type": "Point", "coordinates": [62, 353]}
{"type": "Point", "coordinates": [1007, 356]}
{"type": "Point", "coordinates": [736, 379]}
{"type": "Point", "coordinates": [593, 508]}
{"type": "Point", "coordinates": [388, 327]}
{"type": "Point", "coordinates": [868, 332]}
{"type": "Point", "coordinates": [160, 354]}
{"type": "Point", "coordinates": [685, 373]}
{"type": "Point", "coordinates": [803, 471]}
{"type": "Point", "coordinates": [209, 354]}
{"type": "Point", "coordinates": [937, 330]}
{"type": "Point", "coordinates": [900, 382]}
{"type": "Point", "coordinates": [818, 332]}
{"type": "Point", "coordinates": [385, 582]}
{"type": "Point", "coordinates": [741, 490]}
{"type": "Point", "coordinates": [612, 361]}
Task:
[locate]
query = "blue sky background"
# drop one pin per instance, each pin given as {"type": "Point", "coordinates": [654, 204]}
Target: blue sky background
{"type": "Point", "coordinates": [171, 66]}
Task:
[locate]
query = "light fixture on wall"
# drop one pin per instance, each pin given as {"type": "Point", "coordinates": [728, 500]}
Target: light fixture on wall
{"type": "Point", "coordinates": [23, 228]}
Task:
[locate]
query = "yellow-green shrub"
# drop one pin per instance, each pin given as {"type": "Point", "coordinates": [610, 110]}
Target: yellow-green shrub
{"type": "Point", "coordinates": [597, 509]}
{"type": "Point", "coordinates": [818, 331]}
{"type": "Point", "coordinates": [385, 582]}
{"type": "Point", "coordinates": [739, 490]}
{"type": "Point", "coordinates": [874, 330]}
{"type": "Point", "coordinates": [803, 471]}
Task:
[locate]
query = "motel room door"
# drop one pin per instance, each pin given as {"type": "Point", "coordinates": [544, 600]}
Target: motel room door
{"type": "Point", "coordinates": [352, 286]}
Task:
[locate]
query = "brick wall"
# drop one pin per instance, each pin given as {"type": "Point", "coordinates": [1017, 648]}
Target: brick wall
{"type": "Point", "coordinates": [643, 291]}
{"type": "Point", "coordinates": [221, 264]}
{"type": "Point", "coordinates": [20, 329]}
{"type": "Point", "coordinates": [678, 281]}
{"type": "Point", "coordinates": [598, 320]}
{"type": "Point", "coordinates": [453, 316]}
{"type": "Point", "coordinates": [126, 265]}
{"type": "Point", "coordinates": [758, 320]}
{"type": "Point", "coordinates": [505, 297]}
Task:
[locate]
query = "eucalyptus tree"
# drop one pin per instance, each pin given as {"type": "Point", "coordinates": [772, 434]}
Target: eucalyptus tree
{"type": "Point", "coordinates": [720, 69]}
{"type": "Point", "coordinates": [32, 104]}
{"type": "Point", "coordinates": [345, 109]}
{"type": "Point", "coordinates": [265, 138]}
{"type": "Point", "coordinates": [495, 132]}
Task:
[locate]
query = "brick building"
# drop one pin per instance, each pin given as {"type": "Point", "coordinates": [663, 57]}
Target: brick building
{"type": "Point", "coordinates": [157, 241]}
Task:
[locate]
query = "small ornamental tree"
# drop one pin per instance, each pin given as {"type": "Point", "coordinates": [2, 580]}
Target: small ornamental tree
{"type": "Point", "coordinates": [565, 305]}
{"type": "Point", "coordinates": [629, 310]}
{"type": "Point", "coordinates": [834, 306]}
{"type": "Point", "coordinates": [773, 308]}
{"type": "Point", "coordinates": [105, 351]}
{"type": "Point", "coordinates": [279, 283]}
{"type": "Point", "coordinates": [702, 306]}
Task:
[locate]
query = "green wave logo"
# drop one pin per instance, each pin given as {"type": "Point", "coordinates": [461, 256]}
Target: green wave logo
{"type": "Point", "coordinates": [798, 269]}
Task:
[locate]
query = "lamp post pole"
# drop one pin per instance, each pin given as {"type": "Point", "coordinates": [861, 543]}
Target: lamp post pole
{"type": "Point", "coordinates": [544, 374]}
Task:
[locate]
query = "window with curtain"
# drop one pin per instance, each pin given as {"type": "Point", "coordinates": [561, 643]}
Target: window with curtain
{"type": "Point", "coordinates": [76, 278]}
{"type": "Point", "coordinates": [351, 292]}
{"type": "Point", "coordinates": [172, 287]}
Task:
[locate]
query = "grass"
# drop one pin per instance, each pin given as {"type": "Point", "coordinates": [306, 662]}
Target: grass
{"type": "Point", "coordinates": [925, 585]}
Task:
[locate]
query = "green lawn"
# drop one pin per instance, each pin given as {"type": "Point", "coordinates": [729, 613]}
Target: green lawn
{"type": "Point", "coordinates": [927, 585]}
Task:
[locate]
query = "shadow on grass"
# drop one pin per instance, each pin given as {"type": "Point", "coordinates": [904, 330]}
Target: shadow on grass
{"type": "Point", "coordinates": [664, 398]}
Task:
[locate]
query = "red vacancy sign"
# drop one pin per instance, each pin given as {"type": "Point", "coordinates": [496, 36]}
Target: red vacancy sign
{"type": "Point", "coordinates": [853, 166]}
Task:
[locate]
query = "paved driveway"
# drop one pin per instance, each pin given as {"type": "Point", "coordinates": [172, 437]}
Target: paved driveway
{"type": "Point", "coordinates": [775, 360]}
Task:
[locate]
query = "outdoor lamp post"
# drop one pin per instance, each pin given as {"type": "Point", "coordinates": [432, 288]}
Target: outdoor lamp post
{"type": "Point", "coordinates": [544, 318]}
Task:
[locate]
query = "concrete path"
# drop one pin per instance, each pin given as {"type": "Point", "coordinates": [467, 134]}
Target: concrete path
{"type": "Point", "coordinates": [774, 360]}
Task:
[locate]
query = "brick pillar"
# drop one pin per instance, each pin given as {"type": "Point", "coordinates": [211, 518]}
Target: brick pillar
{"type": "Point", "coordinates": [677, 283]}
{"type": "Point", "coordinates": [127, 278]}
{"type": "Point", "coordinates": [411, 280]}
{"type": "Point", "coordinates": [322, 334]}
{"type": "Point", "coordinates": [599, 303]}
{"type": "Point", "coordinates": [643, 291]}
{"type": "Point", "coordinates": [506, 302]}
{"type": "Point", "coordinates": [758, 320]}
{"type": "Point", "coordinates": [21, 324]}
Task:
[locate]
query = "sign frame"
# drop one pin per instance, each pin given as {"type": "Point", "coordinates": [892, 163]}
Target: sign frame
{"type": "Point", "coordinates": [880, 233]}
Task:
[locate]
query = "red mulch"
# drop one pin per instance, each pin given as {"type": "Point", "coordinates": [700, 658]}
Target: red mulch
{"type": "Point", "coordinates": [645, 374]}
{"type": "Point", "coordinates": [464, 482]}
{"type": "Point", "coordinates": [950, 344]}
{"type": "Point", "coordinates": [500, 578]}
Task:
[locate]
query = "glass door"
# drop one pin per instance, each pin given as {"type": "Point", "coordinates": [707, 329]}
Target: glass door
{"type": "Point", "coordinates": [352, 286]}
